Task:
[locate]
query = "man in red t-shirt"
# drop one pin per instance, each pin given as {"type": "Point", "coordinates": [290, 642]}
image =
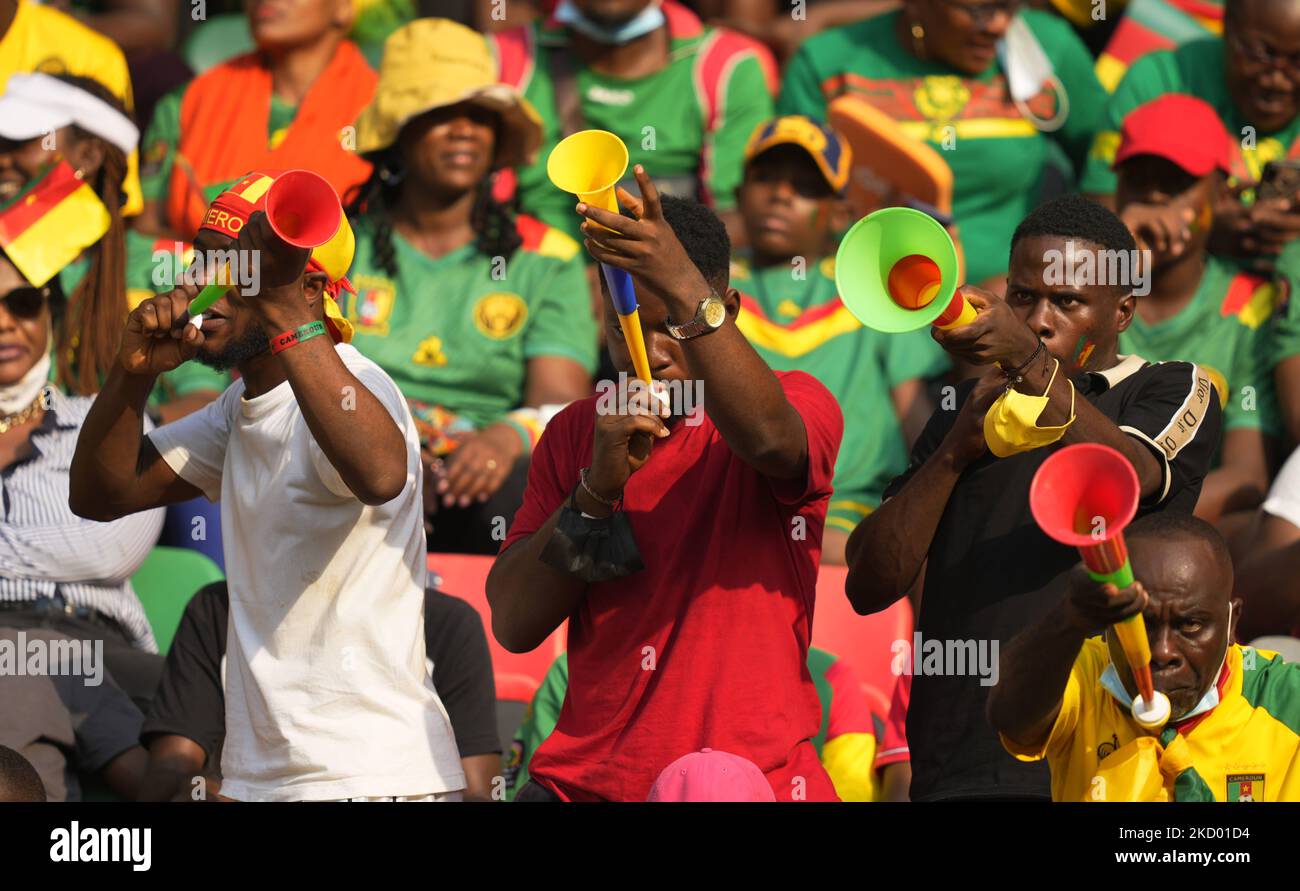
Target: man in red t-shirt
{"type": "Point", "coordinates": [682, 549]}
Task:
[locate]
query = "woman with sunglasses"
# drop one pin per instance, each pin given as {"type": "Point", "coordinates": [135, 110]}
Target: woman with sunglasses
{"type": "Point", "coordinates": [1006, 95]}
{"type": "Point", "coordinates": [58, 571]}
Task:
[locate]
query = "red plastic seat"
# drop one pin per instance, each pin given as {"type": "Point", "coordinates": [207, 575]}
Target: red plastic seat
{"type": "Point", "coordinates": [865, 642]}
{"type": "Point", "coordinates": [518, 675]}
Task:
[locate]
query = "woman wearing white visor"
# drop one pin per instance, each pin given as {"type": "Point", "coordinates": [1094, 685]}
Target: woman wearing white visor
{"type": "Point", "coordinates": [45, 120]}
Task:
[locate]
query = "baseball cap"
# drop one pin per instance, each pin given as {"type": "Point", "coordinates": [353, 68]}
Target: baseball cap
{"type": "Point", "coordinates": [1181, 129]}
{"type": "Point", "coordinates": [831, 154]}
{"type": "Point", "coordinates": [229, 212]}
{"type": "Point", "coordinates": [36, 104]}
{"type": "Point", "coordinates": [707, 775]}
{"type": "Point", "coordinates": [434, 63]}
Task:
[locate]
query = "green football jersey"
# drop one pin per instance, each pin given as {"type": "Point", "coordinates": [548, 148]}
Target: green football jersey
{"type": "Point", "coordinates": [1227, 331]}
{"type": "Point", "coordinates": [997, 154]}
{"type": "Point", "coordinates": [796, 322]}
{"type": "Point", "coordinates": [457, 332]}
{"type": "Point", "coordinates": [1286, 327]}
{"type": "Point", "coordinates": [659, 117]}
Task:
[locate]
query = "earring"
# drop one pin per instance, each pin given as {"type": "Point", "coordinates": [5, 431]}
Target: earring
{"type": "Point", "coordinates": [391, 173]}
{"type": "Point", "coordinates": [918, 40]}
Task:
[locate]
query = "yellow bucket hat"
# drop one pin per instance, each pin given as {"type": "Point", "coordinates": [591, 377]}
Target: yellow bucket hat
{"type": "Point", "coordinates": [434, 63]}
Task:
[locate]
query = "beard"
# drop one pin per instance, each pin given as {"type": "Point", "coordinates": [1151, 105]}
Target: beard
{"type": "Point", "coordinates": [253, 343]}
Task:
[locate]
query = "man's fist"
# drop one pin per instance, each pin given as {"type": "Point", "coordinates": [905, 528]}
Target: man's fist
{"type": "Point", "coordinates": [623, 438]}
{"type": "Point", "coordinates": [996, 335]}
{"type": "Point", "coordinates": [279, 302]}
{"type": "Point", "coordinates": [1092, 606]}
{"type": "Point", "coordinates": [158, 337]}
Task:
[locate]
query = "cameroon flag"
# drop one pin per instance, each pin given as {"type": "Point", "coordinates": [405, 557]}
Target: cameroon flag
{"type": "Point", "coordinates": [51, 222]}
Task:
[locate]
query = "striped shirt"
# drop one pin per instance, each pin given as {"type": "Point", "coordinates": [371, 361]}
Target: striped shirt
{"type": "Point", "coordinates": [46, 549]}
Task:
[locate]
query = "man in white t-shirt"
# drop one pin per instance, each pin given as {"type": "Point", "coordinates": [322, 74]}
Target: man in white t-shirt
{"type": "Point", "coordinates": [314, 457]}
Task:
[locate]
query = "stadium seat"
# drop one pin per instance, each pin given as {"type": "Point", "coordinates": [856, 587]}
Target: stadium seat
{"type": "Point", "coordinates": [165, 582]}
{"type": "Point", "coordinates": [214, 41]}
{"type": "Point", "coordinates": [517, 674]}
{"type": "Point", "coordinates": [866, 642]}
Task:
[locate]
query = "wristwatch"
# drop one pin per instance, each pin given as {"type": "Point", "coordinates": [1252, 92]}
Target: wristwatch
{"type": "Point", "coordinates": [709, 316]}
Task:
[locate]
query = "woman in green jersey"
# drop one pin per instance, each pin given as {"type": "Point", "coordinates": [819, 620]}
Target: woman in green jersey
{"type": "Point", "coordinates": [482, 317]}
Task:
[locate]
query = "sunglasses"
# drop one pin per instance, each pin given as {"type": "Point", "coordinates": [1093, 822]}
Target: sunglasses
{"type": "Point", "coordinates": [26, 301]}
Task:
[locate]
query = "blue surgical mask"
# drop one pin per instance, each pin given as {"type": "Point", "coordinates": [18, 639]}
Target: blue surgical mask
{"type": "Point", "coordinates": [1110, 680]}
{"type": "Point", "coordinates": [639, 25]}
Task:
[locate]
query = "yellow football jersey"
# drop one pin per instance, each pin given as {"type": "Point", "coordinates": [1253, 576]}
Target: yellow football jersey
{"type": "Point", "coordinates": [1247, 748]}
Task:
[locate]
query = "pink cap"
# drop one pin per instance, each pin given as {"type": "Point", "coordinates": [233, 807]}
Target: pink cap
{"type": "Point", "coordinates": [707, 775]}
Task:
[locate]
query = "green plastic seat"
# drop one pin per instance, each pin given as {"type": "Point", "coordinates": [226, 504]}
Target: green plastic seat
{"type": "Point", "coordinates": [165, 582]}
{"type": "Point", "coordinates": [220, 38]}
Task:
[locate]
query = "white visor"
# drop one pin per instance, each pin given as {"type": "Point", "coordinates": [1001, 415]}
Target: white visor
{"type": "Point", "coordinates": [35, 105]}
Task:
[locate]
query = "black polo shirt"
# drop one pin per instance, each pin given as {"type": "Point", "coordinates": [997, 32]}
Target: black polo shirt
{"type": "Point", "coordinates": [991, 572]}
{"type": "Point", "coordinates": [191, 699]}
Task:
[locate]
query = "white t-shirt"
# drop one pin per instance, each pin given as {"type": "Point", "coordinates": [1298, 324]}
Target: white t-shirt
{"type": "Point", "coordinates": [327, 695]}
{"type": "Point", "coordinates": [1284, 497]}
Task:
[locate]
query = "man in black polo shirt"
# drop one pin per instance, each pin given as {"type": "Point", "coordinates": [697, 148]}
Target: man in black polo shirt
{"type": "Point", "coordinates": [185, 728]}
{"type": "Point", "coordinates": [961, 515]}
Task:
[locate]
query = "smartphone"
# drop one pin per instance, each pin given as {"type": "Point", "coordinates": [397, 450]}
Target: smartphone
{"type": "Point", "coordinates": [1280, 179]}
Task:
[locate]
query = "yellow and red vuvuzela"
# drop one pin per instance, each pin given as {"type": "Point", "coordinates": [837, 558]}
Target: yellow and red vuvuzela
{"type": "Point", "coordinates": [48, 227]}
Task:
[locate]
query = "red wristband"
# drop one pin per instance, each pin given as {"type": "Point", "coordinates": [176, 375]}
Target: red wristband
{"type": "Point", "coordinates": [286, 339]}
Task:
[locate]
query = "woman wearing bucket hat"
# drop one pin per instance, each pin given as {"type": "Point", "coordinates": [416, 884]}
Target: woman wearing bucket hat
{"type": "Point", "coordinates": [482, 317]}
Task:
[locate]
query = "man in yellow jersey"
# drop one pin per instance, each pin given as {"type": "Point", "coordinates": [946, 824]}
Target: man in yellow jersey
{"type": "Point", "coordinates": [1065, 696]}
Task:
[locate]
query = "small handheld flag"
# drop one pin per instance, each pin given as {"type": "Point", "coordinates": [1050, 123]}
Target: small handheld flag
{"type": "Point", "coordinates": [51, 222]}
{"type": "Point", "coordinates": [589, 164]}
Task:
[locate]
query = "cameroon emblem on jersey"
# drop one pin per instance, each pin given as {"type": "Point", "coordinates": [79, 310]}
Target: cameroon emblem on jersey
{"type": "Point", "coordinates": [370, 308]}
{"type": "Point", "coordinates": [500, 315]}
{"type": "Point", "coordinates": [941, 97]}
{"type": "Point", "coordinates": [1245, 787]}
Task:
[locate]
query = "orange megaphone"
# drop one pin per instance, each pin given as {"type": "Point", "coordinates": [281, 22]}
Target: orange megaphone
{"type": "Point", "coordinates": [302, 209]}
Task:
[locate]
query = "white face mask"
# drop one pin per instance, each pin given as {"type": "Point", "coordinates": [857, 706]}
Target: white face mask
{"type": "Point", "coordinates": [639, 25]}
{"type": "Point", "coordinates": [20, 394]}
{"type": "Point", "coordinates": [1111, 681]}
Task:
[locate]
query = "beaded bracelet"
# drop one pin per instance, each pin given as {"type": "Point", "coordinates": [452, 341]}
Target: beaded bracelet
{"type": "Point", "coordinates": [1016, 375]}
{"type": "Point", "coordinates": [282, 342]}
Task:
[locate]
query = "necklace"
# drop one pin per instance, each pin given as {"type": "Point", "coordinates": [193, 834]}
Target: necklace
{"type": "Point", "coordinates": [23, 415]}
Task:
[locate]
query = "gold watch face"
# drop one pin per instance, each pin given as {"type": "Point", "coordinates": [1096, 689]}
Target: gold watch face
{"type": "Point", "coordinates": [715, 311]}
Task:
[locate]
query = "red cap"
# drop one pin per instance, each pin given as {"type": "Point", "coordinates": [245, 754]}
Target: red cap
{"type": "Point", "coordinates": [707, 775]}
{"type": "Point", "coordinates": [1178, 128]}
